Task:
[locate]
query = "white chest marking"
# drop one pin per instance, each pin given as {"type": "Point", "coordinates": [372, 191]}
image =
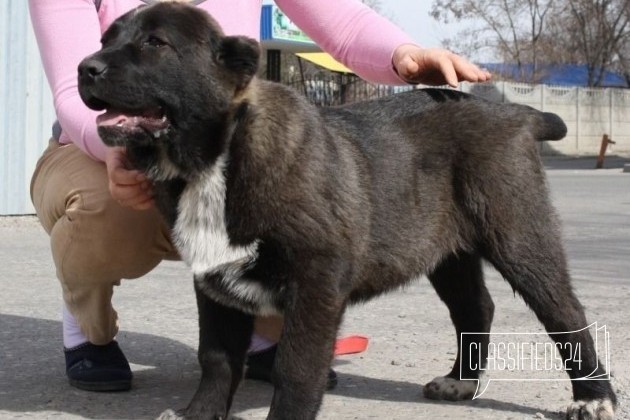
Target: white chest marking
{"type": "Point", "coordinates": [200, 231]}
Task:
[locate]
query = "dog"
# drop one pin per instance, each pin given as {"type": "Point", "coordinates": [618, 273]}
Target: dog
{"type": "Point", "coordinates": [280, 207]}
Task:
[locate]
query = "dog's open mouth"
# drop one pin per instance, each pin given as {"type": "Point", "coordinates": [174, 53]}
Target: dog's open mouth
{"type": "Point", "coordinates": [153, 120]}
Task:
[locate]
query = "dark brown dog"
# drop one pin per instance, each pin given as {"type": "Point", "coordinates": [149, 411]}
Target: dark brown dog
{"type": "Point", "coordinates": [280, 207]}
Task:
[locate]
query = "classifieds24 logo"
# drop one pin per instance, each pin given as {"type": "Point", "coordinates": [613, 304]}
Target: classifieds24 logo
{"type": "Point", "coordinates": [532, 357]}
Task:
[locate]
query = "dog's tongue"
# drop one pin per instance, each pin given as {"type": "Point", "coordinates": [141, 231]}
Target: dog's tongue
{"type": "Point", "coordinates": [112, 117]}
{"type": "Point", "coordinates": [150, 121]}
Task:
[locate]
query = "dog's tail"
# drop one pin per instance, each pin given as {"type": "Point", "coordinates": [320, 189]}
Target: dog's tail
{"type": "Point", "coordinates": [550, 127]}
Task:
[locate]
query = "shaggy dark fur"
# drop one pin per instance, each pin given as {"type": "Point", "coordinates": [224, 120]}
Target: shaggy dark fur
{"type": "Point", "coordinates": [306, 210]}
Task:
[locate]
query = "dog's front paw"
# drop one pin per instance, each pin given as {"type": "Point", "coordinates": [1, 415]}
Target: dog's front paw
{"type": "Point", "coordinates": [445, 388]}
{"type": "Point", "coordinates": [186, 414]}
{"type": "Point", "coordinates": [592, 410]}
{"type": "Point", "coordinates": [172, 415]}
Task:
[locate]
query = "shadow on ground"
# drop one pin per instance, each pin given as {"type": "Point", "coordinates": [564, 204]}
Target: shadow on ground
{"type": "Point", "coordinates": [32, 378]}
{"type": "Point", "coordinates": [32, 373]}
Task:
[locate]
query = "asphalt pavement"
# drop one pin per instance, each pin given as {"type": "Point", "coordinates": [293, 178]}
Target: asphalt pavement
{"type": "Point", "coordinates": [411, 337]}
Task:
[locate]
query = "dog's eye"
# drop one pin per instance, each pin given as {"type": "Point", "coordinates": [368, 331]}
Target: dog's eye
{"type": "Point", "coordinates": [153, 41]}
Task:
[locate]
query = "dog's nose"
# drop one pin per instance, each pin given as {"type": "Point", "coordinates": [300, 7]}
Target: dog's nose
{"type": "Point", "coordinates": [92, 68]}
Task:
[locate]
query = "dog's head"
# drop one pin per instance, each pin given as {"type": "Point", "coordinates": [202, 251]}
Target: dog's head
{"type": "Point", "coordinates": [168, 78]}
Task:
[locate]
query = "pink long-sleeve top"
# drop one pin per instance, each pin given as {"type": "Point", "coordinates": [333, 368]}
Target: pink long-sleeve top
{"type": "Point", "coordinates": [69, 30]}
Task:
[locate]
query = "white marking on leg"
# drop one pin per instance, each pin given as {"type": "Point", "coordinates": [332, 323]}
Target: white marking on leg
{"type": "Point", "coordinates": [445, 388]}
{"type": "Point", "coordinates": [602, 409]}
{"type": "Point", "coordinates": [171, 415]}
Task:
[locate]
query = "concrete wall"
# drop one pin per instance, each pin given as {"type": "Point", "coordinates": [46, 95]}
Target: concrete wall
{"type": "Point", "coordinates": [588, 113]}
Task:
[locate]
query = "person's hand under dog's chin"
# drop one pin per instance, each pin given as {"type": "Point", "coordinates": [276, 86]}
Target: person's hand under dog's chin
{"type": "Point", "coordinates": [435, 66]}
{"type": "Point", "coordinates": [129, 187]}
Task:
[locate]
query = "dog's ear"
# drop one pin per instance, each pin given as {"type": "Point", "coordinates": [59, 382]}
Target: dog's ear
{"type": "Point", "coordinates": [240, 55]}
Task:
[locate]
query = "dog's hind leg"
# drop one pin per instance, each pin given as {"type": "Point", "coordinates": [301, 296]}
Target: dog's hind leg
{"type": "Point", "coordinates": [525, 246]}
{"type": "Point", "coordinates": [224, 336]}
{"type": "Point", "coordinates": [458, 281]}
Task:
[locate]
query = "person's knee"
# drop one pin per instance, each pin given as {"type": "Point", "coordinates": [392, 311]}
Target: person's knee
{"type": "Point", "coordinates": [106, 243]}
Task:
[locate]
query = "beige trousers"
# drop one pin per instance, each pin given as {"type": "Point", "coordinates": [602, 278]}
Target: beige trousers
{"type": "Point", "coordinates": [96, 242]}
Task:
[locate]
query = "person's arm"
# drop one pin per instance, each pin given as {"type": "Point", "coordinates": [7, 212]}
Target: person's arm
{"type": "Point", "coordinates": [373, 47]}
{"type": "Point", "coordinates": [351, 32]}
{"type": "Point", "coordinates": [66, 32]}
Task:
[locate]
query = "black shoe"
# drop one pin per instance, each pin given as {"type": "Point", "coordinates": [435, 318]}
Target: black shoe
{"type": "Point", "coordinates": [259, 366]}
{"type": "Point", "coordinates": [98, 368]}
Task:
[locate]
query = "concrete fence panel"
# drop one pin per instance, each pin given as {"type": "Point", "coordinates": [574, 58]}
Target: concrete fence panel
{"type": "Point", "coordinates": [620, 121]}
{"type": "Point", "coordinates": [562, 101]}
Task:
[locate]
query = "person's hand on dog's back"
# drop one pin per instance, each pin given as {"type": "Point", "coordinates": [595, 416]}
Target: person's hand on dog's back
{"type": "Point", "coordinates": [435, 66]}
{"type": "Point", "coordinates": [129, 187]}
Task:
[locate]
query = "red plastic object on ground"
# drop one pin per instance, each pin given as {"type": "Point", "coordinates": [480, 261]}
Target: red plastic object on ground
{"type": "Point", "coordinates": [350, 345]}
